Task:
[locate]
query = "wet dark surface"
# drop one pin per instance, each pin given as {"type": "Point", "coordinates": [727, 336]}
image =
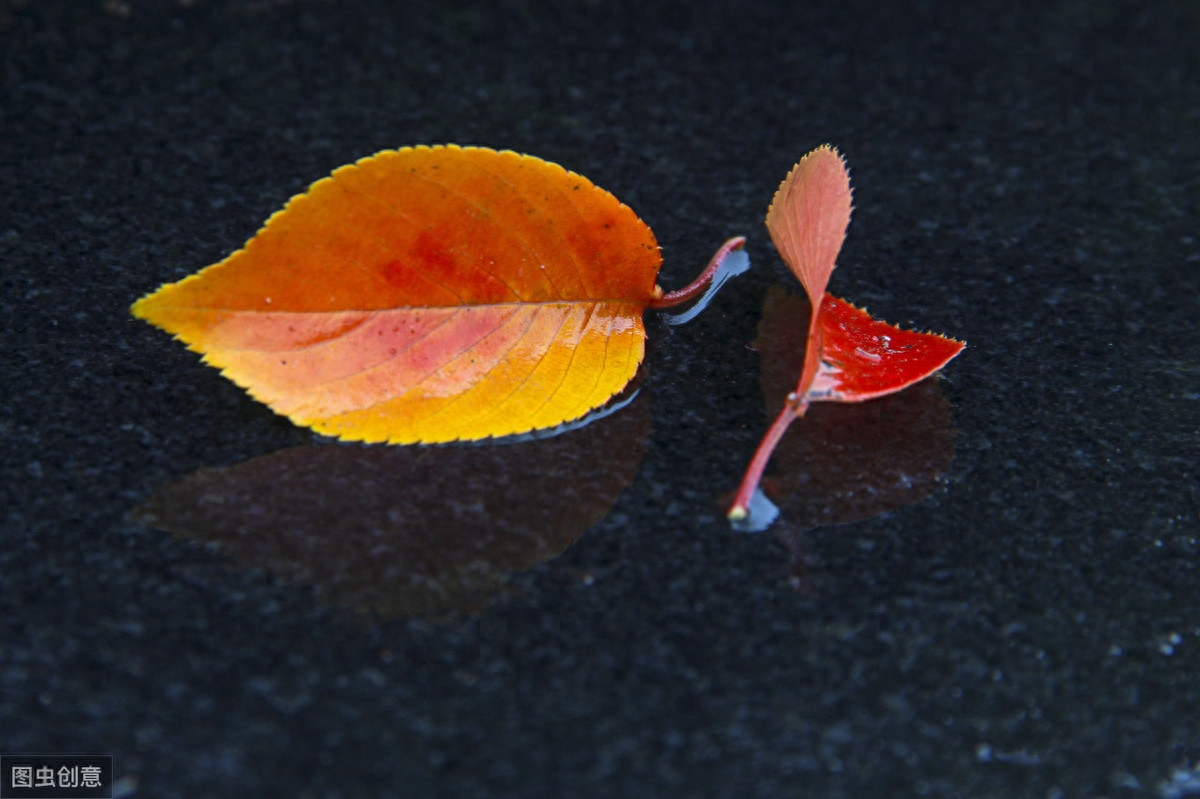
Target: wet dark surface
{"type": "Point", "coordinates": [1026, 178]}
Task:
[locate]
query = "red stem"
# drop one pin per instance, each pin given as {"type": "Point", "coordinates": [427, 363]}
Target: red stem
{"type": "Point", "coordinates": [697, 286]}
{"type": "Point", "coordinates": [812, 349]}
{"type": "Point", "coordinates": [792, 409]}
{"type": "Point", "coordinates": [795, 406]}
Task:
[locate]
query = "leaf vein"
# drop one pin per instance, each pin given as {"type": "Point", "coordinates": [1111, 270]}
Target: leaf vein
{"type": "Point", "coordinates": [484, 378]}
{"type": "Point", "coordinates": [469, 201]}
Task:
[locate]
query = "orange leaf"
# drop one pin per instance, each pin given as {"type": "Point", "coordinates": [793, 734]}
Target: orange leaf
{"type": "Point", "coordinates": [428, 294]}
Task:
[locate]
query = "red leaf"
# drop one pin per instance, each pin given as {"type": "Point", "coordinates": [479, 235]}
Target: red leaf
{"type": "Point", "coordinates": [863, 358]}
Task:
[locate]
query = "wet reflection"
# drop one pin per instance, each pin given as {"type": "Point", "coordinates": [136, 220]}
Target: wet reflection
{"type": "Point", "coordinates": [408, 531]}
{"type": "Point", "coordinates": [735, 263]}
{"type": "Point", "coordinates": [846, 462]}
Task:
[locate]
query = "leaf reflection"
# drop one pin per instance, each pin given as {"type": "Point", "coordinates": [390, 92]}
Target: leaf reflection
{"type": "Point", "coordinates": [842, 463]}
{"type": "Point", "coordinates": [404, 531]}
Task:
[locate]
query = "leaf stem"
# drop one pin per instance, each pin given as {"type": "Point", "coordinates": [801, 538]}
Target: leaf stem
{"type": "Point", "coordinates": [812, 349]}
{"type": "Point", "coordinates": [697, 286]}
{"type": "Point", "coordinates": [792, 409]}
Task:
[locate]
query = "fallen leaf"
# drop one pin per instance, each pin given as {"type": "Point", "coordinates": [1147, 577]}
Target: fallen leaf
{"type": "Point", "coordinates": [430, 294]}
{"type": "Point", "coordinates": [843, 463]}
{"type": "Point", "coordinates": [407, 531]}
{"type": "Point", "coordinates": [863, 358]}
{"type": "Point", "coordinates": [849, 356]}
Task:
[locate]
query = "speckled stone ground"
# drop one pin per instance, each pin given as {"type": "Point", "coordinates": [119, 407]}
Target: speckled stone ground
{"type": "Point", "coordinates": [1027, 177]}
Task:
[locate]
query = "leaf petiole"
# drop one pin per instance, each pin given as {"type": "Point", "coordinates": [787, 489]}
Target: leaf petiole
{"type": "Point", "coordinates": [793, 409]}
{"type": "Point", "coordinates": [697, 286]}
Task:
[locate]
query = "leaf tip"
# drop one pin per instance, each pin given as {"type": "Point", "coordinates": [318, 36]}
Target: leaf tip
{"type": "Point", "coordinates": [138, 309]}
{"type": "Point", "coordinates": [146, 308]}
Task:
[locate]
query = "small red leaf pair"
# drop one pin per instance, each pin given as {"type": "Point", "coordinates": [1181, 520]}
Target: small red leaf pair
{"type": "Point", "coordinates": [849, 356]}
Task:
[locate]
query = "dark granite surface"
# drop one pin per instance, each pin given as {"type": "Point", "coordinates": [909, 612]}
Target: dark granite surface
{"type": "Point", "coordinates": [1027, 178]}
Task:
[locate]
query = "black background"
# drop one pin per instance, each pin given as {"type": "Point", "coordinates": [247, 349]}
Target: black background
{"type": "Point", "coordinates": [1026, 178]}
